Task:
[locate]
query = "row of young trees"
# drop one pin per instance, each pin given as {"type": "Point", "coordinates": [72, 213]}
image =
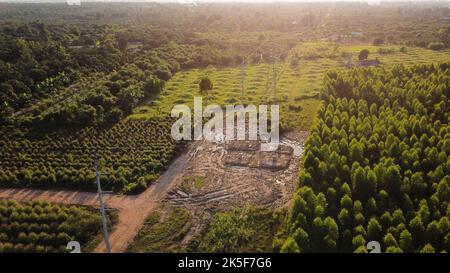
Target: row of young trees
{"type": "Point", "coordinates": [132, 154]}
{"type": "Point", "coordinates": [105, 102]}
{"type": "Point", "coordinates": [43, 227]}
{"type": "Point", "coordinates": [377, 166]}
{"type": "Point", "coordinates": [37, 58]}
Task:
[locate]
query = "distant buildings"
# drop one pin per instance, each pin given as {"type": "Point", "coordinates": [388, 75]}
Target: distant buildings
{"type": "Point", "coordinates": [356, 34]}
{"type": "Point", "coordinates": [73, 2]}
{"type": "Point", "coordinates": [374, 2]}
{"type": "Point", "coordinates": [134, 47]}
{"type": "Point", "coordinates": [335, 38]}
{"type": "Point", "coordinates": [365, 63]}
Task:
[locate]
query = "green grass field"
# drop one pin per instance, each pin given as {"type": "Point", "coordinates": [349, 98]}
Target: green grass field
{"type": "Point", "coordinates": [162, 233]}
{"type": "Point", "coordinates": [297, 86]}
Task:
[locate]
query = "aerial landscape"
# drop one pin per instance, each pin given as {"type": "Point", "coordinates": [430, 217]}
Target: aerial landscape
{"type": "Point", "coordinates": [359, 100]}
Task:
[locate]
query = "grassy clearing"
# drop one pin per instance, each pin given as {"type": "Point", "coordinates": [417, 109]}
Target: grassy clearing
{"type": "Point", "coordinates": [411, 55]}
{"type": "Point", "coordinates": [241, 230]}
{"type": "Point", "coordinates": [193, 183]}
{"type": "Point", "coordinates": [249, 229]}
{"type": "Point", "coordinates": [183, 87]}
{"type": "Point", "coordinates": [162, 232]}
{"type": "Point", "coordinates": [298, 86]}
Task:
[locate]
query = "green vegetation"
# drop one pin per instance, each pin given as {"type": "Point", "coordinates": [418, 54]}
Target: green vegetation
{"type": "Point", "coordinates": [248, 229]}
{"type": "Point", "coordinates": [193, 183]}
{"type": "Point", "coordinates": [83, 75]}
{"type": "Point", "coordinates": [376, 164]}
{"type": "Point", "coordinates": [297, 93]}
{"type": "Point", "coordinates": [131, 153]}
{"type": "Point", "coordinates": [162, 233]}
{"type": "Point", "coordinates": [49, 62]}
{"type": "Point", "coordinates": [43, 227]}
{"type": "Point", "coordinates": [363, 54]}
{"type": "Point", "coordinates": [104, 78]}
{"type": "Point", "coordinates": [298, 85]}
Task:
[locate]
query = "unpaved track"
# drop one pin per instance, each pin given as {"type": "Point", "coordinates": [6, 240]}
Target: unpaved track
{"type": "Point", "coordinates": [132, 209]}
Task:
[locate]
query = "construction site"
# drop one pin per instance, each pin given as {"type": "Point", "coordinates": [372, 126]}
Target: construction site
{"type": "Point", "coordinates": [221, 176]}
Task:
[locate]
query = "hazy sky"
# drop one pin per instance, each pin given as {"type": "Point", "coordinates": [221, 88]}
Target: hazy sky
{"type": "Point", "coordinates": [211, 1]}
{"type": "Point", "coordinates": [190, 1]}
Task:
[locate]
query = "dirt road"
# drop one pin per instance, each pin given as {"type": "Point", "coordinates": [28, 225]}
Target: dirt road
{"type": "Point", "coordinates": [132, 209]}
{"type": "Point", "coordinates": [225, 187]}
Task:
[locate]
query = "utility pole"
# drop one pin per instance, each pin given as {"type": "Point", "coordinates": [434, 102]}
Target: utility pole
{"type": "Point", "coordinates": [102, 206]}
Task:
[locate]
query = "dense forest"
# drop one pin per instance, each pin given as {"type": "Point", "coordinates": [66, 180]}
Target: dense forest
{"type": "Point", "coordinates": [376, 166]}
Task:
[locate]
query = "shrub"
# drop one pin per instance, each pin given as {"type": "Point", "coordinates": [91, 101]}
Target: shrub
{"type": "Point", "coordinates": [436, 46]}
{"type": "Point", "coordinates": [363, 54]}
{"type": "Point", "coordinates": [378, 41]}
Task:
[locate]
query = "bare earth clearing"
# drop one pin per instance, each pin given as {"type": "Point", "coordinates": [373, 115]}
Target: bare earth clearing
{"type": "Point", "coordinates": [207, 178]}
{"type": "Point", "coordinates": [222, 176]}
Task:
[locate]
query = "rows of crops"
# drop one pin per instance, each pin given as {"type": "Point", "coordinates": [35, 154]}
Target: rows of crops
{"type": "Point", "coordinates": [376, 166]}
{"type": "Point", "coordinates": [131, 153]}
{"type": "Point", "coordinates": [44, 227]}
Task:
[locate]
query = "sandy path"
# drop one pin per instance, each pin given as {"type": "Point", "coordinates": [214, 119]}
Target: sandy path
{"type": "Point", "coordinates": [136, 208]}
{"type": "Point", "coordinates": [132, 209]}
